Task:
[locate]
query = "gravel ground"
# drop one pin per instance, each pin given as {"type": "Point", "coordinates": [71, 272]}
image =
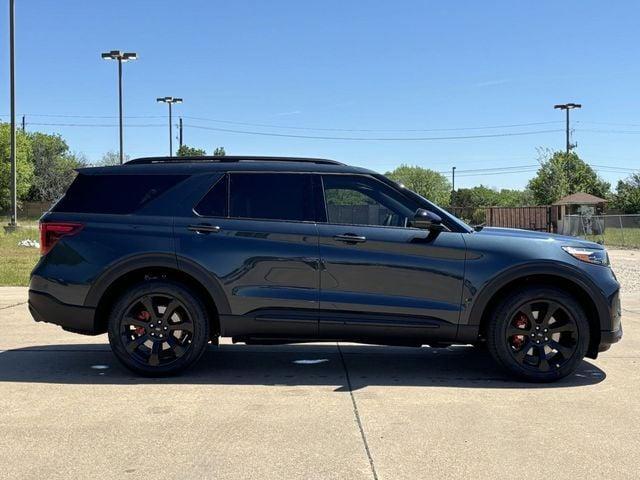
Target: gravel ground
{"type": "Point", "coordinates": [626, 264]}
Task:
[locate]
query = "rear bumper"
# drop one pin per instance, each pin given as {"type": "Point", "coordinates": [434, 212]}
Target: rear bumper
{"type": "Point", "coordinates": [45, 308]}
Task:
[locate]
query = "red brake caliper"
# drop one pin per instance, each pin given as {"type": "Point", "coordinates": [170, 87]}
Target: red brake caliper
{"type": "Point", "coordinates": [520, 322]}
{"type": "Point", "coordinates": [144, 316]}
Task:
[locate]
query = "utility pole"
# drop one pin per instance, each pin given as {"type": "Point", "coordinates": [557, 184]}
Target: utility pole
{"type": "Point", "coordinates": [13, 222]}
{"type": "Point", "coordinates": [567, 107]}
{"type": "Point", "coordinates": [180, 137]}
{"type": "Point", "coordinates": [453, 184]}
{"type": "Point", "coordinates": [170, 101]}
{"type": "Point", "coordinates": [24, 124]}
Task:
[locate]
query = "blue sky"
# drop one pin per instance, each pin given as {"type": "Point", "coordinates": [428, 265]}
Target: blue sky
{"type": "Point", "coordinates": [405, 65]}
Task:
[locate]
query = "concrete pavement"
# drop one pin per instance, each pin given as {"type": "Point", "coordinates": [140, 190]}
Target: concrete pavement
{"type": "Point", "coordinates": [67, 410]}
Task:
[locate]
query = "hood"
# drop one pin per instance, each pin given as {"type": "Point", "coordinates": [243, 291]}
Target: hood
{"type": "Point", "coordinates": [532, 235]}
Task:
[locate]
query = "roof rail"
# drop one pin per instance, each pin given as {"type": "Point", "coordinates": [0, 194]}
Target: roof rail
{"type": "Point", "coordinates": [223, 159]}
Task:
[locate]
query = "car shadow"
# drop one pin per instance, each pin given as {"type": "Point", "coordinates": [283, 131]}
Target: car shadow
{"type": "Point", "coordinates": [347, 367]}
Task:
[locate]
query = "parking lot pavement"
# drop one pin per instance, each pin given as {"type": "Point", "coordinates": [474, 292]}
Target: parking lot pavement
{"type": "Point", "coordinates": [67, 410]}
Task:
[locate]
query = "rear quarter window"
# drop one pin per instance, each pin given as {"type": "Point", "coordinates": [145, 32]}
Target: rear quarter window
{"type": "Point", "coordinates": [114, 194]}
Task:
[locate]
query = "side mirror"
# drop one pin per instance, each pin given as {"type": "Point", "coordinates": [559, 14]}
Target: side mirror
{"type": "Point", "coordinates": [427, 220]}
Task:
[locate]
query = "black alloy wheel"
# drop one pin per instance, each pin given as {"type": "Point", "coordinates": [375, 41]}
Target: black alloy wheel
{"type": "Point", "coordinates": [542, 335]}
{"type": "Point", "coordinates": [538, 333]}
{"type": "Point", "coordinates": [158, 328]}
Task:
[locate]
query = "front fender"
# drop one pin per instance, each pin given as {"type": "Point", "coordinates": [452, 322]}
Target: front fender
{"type": "Point", "coordinates": [477, 297]}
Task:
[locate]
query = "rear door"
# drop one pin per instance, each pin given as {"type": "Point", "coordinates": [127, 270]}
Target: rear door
{"type": "Point", "coordinates": [380, 278]}
{"type": "Point", "coordinates": [255, 232]}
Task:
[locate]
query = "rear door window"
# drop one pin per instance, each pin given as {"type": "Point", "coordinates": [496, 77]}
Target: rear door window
{"type": "Point", "coordinates": [114, 194]}
{"type": "Point", "coordinates": [271, 196]}
{"type": "Point", "coordinates": [214, 203]}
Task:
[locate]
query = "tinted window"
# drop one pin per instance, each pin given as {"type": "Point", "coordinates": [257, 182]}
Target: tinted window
{"type": "Point", "coordinates": [214, 203]}
{"type": "Point", "coordinates": [360, 200]}
{"type": "Point", "coordinates": [119, 194]}
{"type": "Point", "coordinates": [277, 196]}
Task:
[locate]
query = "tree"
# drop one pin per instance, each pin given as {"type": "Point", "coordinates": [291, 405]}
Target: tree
{"type": "Point", "coordinates": [187, 151]}
{"type": "Point", "coordinates": [54, 166]}
{"type": "Point", "coordinates": [428, 183]}
{"type": "Point", "coordinates": [219, 152]}
{"type": "Point", "coordinates": [24, 167]}
{"type": "Point", "coordinates": [561, 174]}
{"type": "Point", "coordinates": [111, 158]}
{"type": "Point", "coordinates": [482, 196]}
{"type": "Point", "coordinates": [627, 196]}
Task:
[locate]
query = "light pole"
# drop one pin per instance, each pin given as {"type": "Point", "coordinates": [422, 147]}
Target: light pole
{"type": "Point", "coordinates": [567, 107]}
{"type": "Point", "coordinates": [13, 222]}
{"type": "Point", "coordinates": [120, 57]}
{"type": "Point", "coordinates": [170, 101]}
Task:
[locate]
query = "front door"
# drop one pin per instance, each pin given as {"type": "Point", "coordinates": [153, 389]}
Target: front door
{"type": "Point", "coordinates": [379, 277]}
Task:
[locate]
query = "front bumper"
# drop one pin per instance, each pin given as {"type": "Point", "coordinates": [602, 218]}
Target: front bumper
{"type": "Point", "coordinates": [45, 308]}
{"type": "Point", "coordinates": [608, 338]}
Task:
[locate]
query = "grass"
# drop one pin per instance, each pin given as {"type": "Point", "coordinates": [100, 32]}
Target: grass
{"type": "Point", "coordinates": [17, 262]}
{"type": "Point", "coordinates": [618, 237]}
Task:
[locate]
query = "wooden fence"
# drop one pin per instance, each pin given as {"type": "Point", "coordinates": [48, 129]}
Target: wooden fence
{"type": "Point", "coordinates": [542, 218]}
{"type": "Point", "coordinates": [30, 210]}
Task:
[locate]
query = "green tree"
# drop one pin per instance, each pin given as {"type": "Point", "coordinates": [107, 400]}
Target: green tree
{"type": "Point", "coordinates": [627, 196]}
{"type": "Point", "coordinates": [482, 196]}
{"type": "Point", "coordinates": [24, 167]}
{"type": "Point", "coordinates": [430, 184]}
{"type": "Point", "coordinates": [54, 166]}
{"type": "Point", "coordinates": [561, 174]}
{"type": "Point", "coordinates": [111, 158]}
{"type": "Point", "coordinates": [219, 152]}
{"type": "Point", "coordinates": [187, 151]}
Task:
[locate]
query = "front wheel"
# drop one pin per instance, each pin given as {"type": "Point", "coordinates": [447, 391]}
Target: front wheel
{"type": "Point", "coordinates": [158, 328]}
{"type": "Point", "coordinates": [539, 334]}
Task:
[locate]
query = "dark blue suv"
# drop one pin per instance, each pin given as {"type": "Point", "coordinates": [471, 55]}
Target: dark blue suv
{"type": "Point", "coordinates": [167, 255]}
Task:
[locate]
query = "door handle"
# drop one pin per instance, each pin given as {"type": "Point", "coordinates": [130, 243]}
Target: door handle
{"type": "Point", "coordinates": [204, 228]}
{"type": "Point", "coordinates": [350, 238]}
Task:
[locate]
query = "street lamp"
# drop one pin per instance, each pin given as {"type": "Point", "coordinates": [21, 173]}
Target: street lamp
{"type": "Point", "coordinates": [567, 107]}
{"type": "Point", "coordinates": [170, 101]}
{"type": "Point", "coordinates": [120, 57]}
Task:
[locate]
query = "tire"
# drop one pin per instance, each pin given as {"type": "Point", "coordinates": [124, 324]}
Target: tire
{"type": "Point", "coordinates": [538, 334]}
{"type": "Point", "coordinates": [158, 328]}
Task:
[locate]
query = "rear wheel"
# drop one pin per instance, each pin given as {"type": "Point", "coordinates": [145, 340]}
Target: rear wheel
{"type": "Point", "coordinates": [539, 334]}
{"type": "Point", "coordinates": [158, 328]}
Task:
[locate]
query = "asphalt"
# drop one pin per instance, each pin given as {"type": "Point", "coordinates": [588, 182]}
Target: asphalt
{"type": "Point", "coordinates": [68, 410]}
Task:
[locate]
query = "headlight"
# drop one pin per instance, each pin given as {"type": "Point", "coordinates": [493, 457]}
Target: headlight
{"type": "Point", "coordinates": [589, 255]}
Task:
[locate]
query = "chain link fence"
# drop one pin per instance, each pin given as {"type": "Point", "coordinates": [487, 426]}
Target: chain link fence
{"type": "Point", "coordinates": [613, 230]}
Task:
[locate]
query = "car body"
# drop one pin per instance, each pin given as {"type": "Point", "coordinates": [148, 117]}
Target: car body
{"type": "Point", "coordinates": [349, 260]}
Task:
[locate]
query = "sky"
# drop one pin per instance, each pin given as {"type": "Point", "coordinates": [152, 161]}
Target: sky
{"type": "Point", "coordinates": [380, 82]}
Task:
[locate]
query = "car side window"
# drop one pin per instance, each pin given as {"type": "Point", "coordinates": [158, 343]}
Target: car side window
{"type": "Point", "coordinates": [362, 200]}
{"type": "Point", "coordinates": [271, 196]}
{"type": "Point", "coordinates": [214, 203]}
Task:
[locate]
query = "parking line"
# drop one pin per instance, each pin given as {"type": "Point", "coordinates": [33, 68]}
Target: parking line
{"type": "Point", "coordinates": [357, 414]}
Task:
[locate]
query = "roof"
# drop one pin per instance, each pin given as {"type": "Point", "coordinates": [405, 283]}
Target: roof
{"type": "Point", "coordinates": [230, 159]}
{"type": "Point", "coordinates": [197, 165]}
{"type": "Point", "coordinates": [580, 198]}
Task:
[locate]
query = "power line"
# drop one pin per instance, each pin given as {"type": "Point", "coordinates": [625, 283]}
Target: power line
{"type": "Point", "coordinates": [291, 127]}
{"type": "Point", "coordinates": [375, 139]}
{"type": "Point", "coordinates": [297, 127]}
{"type": "Point", "coordinates": [93, 124]}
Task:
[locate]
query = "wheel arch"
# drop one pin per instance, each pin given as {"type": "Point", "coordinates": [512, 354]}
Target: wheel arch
{"type": "Point", "coordinates": [137, 269]}
{"type": "Point", "coordinates": [563, 278]}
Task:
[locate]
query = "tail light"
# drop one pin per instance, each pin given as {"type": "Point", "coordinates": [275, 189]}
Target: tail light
{"type": "Point", "coordinates": [51, 232]}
